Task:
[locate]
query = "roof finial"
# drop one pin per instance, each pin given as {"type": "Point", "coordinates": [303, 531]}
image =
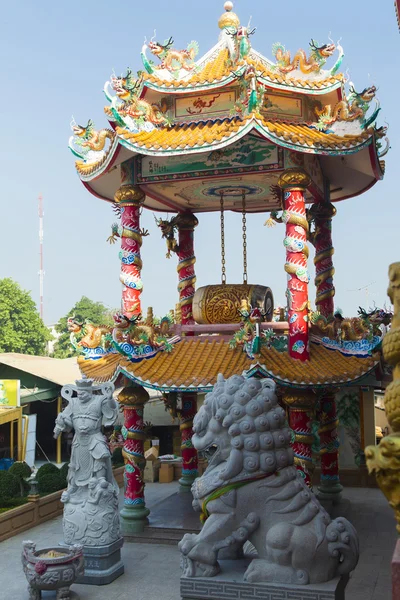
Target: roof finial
{"type": "Point", "coordinates": [229, 18]}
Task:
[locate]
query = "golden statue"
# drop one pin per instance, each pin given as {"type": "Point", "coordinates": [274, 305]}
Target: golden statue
{"type": "Point", "coordinates": [384, 459]}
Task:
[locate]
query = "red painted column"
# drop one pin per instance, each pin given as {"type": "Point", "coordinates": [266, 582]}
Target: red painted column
{"type": "Point", "coordinates": [301, 408]}
{"type": "Point", "coordinates": [186, 222]}
{"type": "Point", "coordinates": [294, 183]}
{"type": "Point", "coordinates": [189, 453]}
{"type": "Point", "coordinates": [321, 214]}
{"type": "Point", "coordinates": [129, 199]}
{"type": "Point", "coordinates": [134, 513]}
{"type": "Point", "coordinates": [329, 445]}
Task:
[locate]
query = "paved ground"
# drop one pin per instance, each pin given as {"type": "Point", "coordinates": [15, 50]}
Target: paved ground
{"type": "Point", "coordinates": [152, 571]}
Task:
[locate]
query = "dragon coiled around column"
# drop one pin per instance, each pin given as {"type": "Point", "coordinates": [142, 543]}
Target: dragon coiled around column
{"type": "Point", "coordinates": [293, 244]}
{"type": "Point", "coordinates": [320, 216]}
{"type": "Point", "coordinates": [128, 257]}
{"type": "Point", "coordinates": [186, 256]}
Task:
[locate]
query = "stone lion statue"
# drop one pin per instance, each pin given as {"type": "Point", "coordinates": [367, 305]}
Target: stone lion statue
{"type": "Point", "coordinates": [251, 491]}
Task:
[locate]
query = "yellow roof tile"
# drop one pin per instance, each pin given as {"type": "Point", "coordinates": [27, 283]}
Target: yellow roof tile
{"type": "Point", "coordinates": [196, 363]}
{"type": "Point", "coordinates": [196, 135]}
{"type": "Point", "coordinates": [220, 68]}
{"type": "Point", "coordinates": [214, 70]}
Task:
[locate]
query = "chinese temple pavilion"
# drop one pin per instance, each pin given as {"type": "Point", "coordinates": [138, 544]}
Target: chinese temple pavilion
{"type": "Point", "coordinates": [234, 131]}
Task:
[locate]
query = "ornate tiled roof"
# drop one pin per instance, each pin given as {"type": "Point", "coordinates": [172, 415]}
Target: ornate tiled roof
{"type": "Point", "coordinates": [195, 363]}
{"type": "Point", "coordinates": [213, 71]}
{"type": "Point", "coordinates": [194, 136]}
{"type": "Point", "coordinates": [218, 71]}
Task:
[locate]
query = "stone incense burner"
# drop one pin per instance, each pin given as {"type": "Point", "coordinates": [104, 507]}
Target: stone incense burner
{"type": "Point", "coordinates": [54, 569]}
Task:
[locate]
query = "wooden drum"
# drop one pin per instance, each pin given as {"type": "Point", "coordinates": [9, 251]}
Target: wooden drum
{"type": "Point", "coordinates": [215, 304]}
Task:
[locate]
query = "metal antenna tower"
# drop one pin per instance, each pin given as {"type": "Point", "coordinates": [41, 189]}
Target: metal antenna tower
{"type": "Point", "coordinates": [41, 271]}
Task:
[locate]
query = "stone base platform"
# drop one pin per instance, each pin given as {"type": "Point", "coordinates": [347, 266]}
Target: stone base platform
{"type": "Point", "coordinates": [229, 585]}
{"type": "Point", "coordinates": [103, 564]}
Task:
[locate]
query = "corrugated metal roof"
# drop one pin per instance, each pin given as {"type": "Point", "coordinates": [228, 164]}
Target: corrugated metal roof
{"type": "Point", "coordinates": [57, 370]}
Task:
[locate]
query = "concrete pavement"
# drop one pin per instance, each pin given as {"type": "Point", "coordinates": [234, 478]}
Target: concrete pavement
{"type": "Point", "coordinates": [152, 571]}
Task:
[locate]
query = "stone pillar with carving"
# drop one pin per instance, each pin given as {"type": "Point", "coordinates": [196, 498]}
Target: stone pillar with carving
{"type": "Point", "coordinates": [329, 488]}
{"type": "Point", "coordinates": [185, 223]}
{"type": "Point", "coordinates": [384, 459]}
{"type": "Point", "coordinates": [293, 183]}
{"type": "Point", "coordinates": [189, 453]}
{"type": "Point", "coordinates": [301, 407]}
{"type": "Point", "coordinates": [129, 198]}
{"type": "Point", "coordinates": [134, 513]}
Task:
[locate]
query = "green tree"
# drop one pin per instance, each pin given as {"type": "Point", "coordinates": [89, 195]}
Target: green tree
{"type": "Point", "coordinates": [21, 328]}
{"type": "Point", "coordinates": [84, 309]}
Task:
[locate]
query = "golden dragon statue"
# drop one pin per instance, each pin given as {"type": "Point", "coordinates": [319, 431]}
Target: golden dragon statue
{"type": "Point", "coordinates": [168, 229]}
{"type": "Point", "coordinates": [172, 59]}
{"type": "Point", "coordinates": [137, 333]}
{"type": "Point", "coordinates": [92, 139]}
{"type": "Point", "coordinates": [312, 64]}
{"type": "Point", "coordinates": [92, 336]}
{"type": "Point", "coordinates": [87, 143]}
{"type": "Point", "coordinates": [352, 108]}
{"type": "Point", "coordinates": [127, 90]}
{"type": "Point", "coordinates": [339, 328]}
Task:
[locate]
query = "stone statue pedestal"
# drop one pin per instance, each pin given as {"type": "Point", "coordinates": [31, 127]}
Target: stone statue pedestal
{"type": "Point", "coordinates": [229, 585]}
{"type": "Point", "coordinates": [103, 564]}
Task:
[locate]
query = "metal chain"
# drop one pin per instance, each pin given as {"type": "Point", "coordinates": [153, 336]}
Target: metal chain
{"type": "Point", "coordinates": [244, 229]}
{"type": "Point", "coordinates": [223, 273]}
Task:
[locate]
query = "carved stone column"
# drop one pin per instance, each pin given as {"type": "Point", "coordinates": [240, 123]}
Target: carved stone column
{"type": "Point", "coordinates": [329, 488]}
{"type": "Point", "coordinates": [384, 459]}
{"type": "Point", "coordinates": [134, 514]}
{"type": "Point", "coordinates": [186, 222]}
{"type": "Point", "coordinates": [321, 214]}
{"type": "Point", "coordinates": [189, 453]}
{"type": "Point", "coordinates": [130, 198]}
{"type": "Point", "coordinates": [301, 407]}
{"type": "Point", "coordinates": [294, 183]}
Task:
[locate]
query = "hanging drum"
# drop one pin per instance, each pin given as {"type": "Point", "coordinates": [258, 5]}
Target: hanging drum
{"type": "Point", "coordinates": [221, 303]}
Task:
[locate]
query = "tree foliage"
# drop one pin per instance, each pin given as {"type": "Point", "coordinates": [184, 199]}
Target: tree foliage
{"type": "Point", "coordinates": [21, 328]}
{"type": "Point", "coordinates": [84, 309]}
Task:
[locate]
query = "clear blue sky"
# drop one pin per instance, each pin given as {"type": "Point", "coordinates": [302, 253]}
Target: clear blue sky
{"type": "Point", "coordinates": [56, 57]}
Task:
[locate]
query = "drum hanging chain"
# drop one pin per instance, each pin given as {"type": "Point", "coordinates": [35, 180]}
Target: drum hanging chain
{"type": "Point", "coordinates": [223, 271]}
{"type": "Point", "coordinates": [244, 230]}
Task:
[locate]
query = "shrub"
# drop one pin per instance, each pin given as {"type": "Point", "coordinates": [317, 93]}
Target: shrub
{"type": "Point", "coordinates": [51, 482]}
{"type": "Point", "coordinates": [47, 469]}
{"type": "Point", "coordinates": [21, 471]}
{"type": "Point", "coordinates": [117, 459]}
{"type": "Point", "coordinates": [9, 486]}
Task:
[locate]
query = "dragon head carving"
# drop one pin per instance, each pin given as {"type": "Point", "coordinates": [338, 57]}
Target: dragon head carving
{"type": "Point", "coordinates": [123, 322]}
{"type": "Point", "coordinates": [241, 428]}
{"type": "Point", "coordinates": [126, 85]}
{"type": "Point", "coordinates": [83, 132]}
{"type": "Point", "coordinates": [74, 325]}
{"type": "Point", "coordinates": [367, 94]}
{"type": "Point", "coordinates": [324, 51]}
{"type": "Point", "coordinates": [159, 49]}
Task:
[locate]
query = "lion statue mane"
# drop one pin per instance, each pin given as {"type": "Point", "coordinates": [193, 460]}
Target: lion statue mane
{"type": "Point", "coordinates": [252, 492]}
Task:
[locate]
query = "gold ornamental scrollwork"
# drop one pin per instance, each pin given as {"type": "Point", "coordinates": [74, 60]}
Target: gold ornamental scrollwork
{"type": "Point", "coordinates": [222, 303]}
{"type": "Point", "coordinates": [303, 400]}
{"type": "Point", "coordinates": [384, 460]}
{"type": "Point", "coordinates": [294, 178]}
{"type": "Point", "coordinates": [186, 220]}
{"type": "Point", "coordinates": [133, 396]}
{"type": "Point", "coordinates": [129, 193]}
